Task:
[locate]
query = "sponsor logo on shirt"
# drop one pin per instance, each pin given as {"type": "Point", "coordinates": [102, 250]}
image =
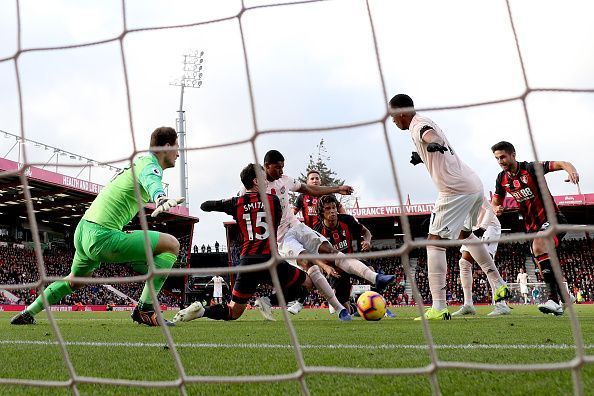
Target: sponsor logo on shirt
{"type": "Point", "coordinates": [522, 195]}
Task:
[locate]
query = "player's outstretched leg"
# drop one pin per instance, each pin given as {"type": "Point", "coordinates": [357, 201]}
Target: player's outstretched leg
{"type": "Point", "coordinates": [53, 293]}
{"type": "Point", "coordinates": [265, 307]}
{"type": "Point", "coordinates": [231, 311]}
{"type": "Point", "coordinates": [193, 311]}
{"type": "Point", "coordinates": [356, 267]}
{"type": "Point", "coordinates": [481, 255]}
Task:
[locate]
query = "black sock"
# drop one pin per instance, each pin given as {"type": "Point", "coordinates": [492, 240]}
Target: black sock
{"type": "Point", "coordinates": [297, 293]}
{"type": "Point", "coordinates": [549, 277]}
{"type": "Point", "coordinates": [142, 306]}
{"type": "Point", "coordinates": [218, 312]}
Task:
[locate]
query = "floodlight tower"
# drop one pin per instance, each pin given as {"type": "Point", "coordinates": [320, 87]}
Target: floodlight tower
{"type": "Point", "coordinates": [192, 78]}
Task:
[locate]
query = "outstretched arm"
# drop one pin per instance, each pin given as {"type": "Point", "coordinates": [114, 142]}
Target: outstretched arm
{"type": "Point", "coordinates": [222, 205]}
{"type": "Point", "coordinates": [572, 174]}
{"type": "Point", "coordinates": [318, 191]}
{"type": "Point", "coordinates": [213, 206]}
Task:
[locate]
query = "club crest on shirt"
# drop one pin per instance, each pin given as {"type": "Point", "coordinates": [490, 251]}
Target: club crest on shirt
{"type": "Point", "coordinates": [524, 179]}
{"type": "Point", "coordinates": [283, 189]}
{"type": "Point", "coordinates": [156, 171]}
{"type": "Point", "coordinates": [516, 184]}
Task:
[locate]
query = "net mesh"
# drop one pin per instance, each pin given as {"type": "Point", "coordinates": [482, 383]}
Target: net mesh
{"type": "Point", "coordinates": [430, 370]}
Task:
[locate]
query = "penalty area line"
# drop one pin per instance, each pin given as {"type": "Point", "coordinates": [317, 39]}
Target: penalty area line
{"type": "Point", "coordinates": [287, 346]}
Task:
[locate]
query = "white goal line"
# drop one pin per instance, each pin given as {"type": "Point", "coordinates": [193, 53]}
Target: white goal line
{"type": "Point", "coordinates": [288, 346]}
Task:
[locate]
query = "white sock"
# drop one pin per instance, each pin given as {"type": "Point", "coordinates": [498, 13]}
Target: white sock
{"type": "Point", "coordinates": [466, 280]}
{"type": "Point", "coordinates": [481, 255]}
{"type": "Point", "coordinates": [436, 273]}
{"type": "Point", "coordinates": [355, 267]}
{"type": "Point", "coordinates": [321, 283]}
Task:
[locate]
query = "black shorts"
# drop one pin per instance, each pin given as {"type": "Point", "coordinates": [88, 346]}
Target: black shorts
{"type": "Point", "coordinates": [561, 219]}
{"type": "Point", "coordinates": [342, 287]}
{"type": "Point", "coordinates": [247, 282]}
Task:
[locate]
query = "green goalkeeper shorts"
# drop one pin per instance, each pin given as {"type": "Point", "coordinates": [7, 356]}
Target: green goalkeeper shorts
{"type": "Point", "coordinates": [96, 244]}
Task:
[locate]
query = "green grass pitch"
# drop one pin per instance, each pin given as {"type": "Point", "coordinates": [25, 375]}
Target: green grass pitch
{"type": "Point", "coordinates": [110, 345]}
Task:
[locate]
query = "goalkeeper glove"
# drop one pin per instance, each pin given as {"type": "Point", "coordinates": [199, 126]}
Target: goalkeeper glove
{"type": "Point", "coordinates": [479, 232]}
{"type": "Point", "coordinates": [415, 158]}
{"type": "Point", "coordinates": [165, 203]}
{"type": "Point", "coordinates": [433, 147]}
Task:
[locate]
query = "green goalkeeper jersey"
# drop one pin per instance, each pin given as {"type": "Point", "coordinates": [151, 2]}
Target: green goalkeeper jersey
{"type": "Point", "coordinates": [116, 204]}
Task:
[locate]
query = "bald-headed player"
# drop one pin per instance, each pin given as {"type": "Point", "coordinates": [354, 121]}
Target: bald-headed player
{"type": "Point", "coordinates": [456, 208]}
{"type": "Point", "coordinates": [99, 237]}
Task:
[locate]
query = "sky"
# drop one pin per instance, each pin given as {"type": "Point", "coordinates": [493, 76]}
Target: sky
{"type": "Point", "coordinates": [311, 66]}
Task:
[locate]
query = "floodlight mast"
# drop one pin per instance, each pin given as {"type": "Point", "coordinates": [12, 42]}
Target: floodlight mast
{"type": "Point", "coordinates": [192, 78]}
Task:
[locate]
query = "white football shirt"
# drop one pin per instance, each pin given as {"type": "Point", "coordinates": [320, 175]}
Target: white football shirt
{"type": "Point", "coordinates": [281, 188]}
{"type": "Point", "coordinates": [522, 278]}
{"type": "Point", "coordinates": [217, 282]}
{"type": "Point", "coordinates": [450, 175]}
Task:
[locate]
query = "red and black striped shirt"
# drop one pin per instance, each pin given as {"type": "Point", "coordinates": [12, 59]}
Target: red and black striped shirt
{"type": "Point", "coordinates": [250, 214]}
{"type": "Point", "coordinates": [346, 236]}
{"type": "Point", "coordinates": [523, 187]}
{"type": "Point", "coordinates": [307, 205]}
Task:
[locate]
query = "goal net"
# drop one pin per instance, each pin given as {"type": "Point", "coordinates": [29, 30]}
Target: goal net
{"type": "Point", "coordinates": [425, 63]}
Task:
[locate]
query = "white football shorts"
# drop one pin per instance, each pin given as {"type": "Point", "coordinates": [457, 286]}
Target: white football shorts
{"type": "Point", "coordinates": [300, 238]}
{"type": "Point", "coordinates": [454, 213]}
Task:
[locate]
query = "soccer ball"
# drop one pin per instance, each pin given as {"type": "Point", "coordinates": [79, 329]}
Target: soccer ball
{"type": "Point", "coordinates": [371, 306]}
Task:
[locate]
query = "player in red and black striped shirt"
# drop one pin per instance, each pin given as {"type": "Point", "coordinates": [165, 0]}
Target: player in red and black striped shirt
{"type": "Point", "coordinates": [249, 212]}
{"type": "Point", "coordinates": [307, 204]}
{"type": "Point", "coordinates": [520, 181]}
{"type": "Point", "coordinates": [346, 234]}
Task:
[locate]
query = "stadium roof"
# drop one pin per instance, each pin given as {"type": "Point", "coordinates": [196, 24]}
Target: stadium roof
{"type": "Point", "coordinates": [59, 200]}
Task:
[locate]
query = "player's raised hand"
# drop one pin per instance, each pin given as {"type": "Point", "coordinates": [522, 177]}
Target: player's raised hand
{"type": "Point", "coordinates": [329, 270]}
{"type": "Point", "coordinates": [166, 203]}
{"type": "Point", "coordinates": [345, 190]}
{"type": "Point", "coordinates": [433, 147]}
{"type": "Point", "coordinates": [573, 177]}
{"type": "Point", "coordinates": [415, 158]}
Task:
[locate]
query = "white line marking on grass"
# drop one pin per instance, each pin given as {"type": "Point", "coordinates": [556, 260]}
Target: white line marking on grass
{"type": "Point", "coordinates": [287, 346]}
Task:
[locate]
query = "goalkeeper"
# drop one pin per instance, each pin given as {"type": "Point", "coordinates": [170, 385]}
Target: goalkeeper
{"type": "Point", "coordinates": [99, 237]}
